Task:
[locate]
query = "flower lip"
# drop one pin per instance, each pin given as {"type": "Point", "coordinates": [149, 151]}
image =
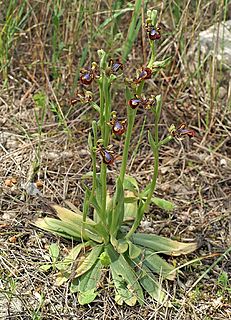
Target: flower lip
{"type": "Point", "coordinates": [134, 103]}
{"type": "Point", "coordinates": [146, 73]}
{"type": "Point", "coordinates": [107, 155]}
{"type": "Point", "coordinates": [87, 77]}
{"type": "Point", "coordinates": [139, 101]}
{"type": "Point", "coordinates": [115, 65]}
{"type": "Point", "coordinates": [182, 131]}
{"type": "Point", "coordinates": [118, 126]}
{"type": "Point", "coordinates": [154, 34]}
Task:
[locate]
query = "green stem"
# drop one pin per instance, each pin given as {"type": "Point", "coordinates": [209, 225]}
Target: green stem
{"type": "Point", "coordinates": [143, 207]}
{"type": "Point", "coordinates": [153, 54]}
{"type": "Point", "coordinates": [131, 113]}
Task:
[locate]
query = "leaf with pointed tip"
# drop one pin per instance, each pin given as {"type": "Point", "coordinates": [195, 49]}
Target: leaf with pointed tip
{"type": "Point", "coordinates": [68, 215]}
{"type": "Point", "coordinates": [89, 260]}
{"type": "Point", "coordinates": [130, 184]}
{"type": "Point", "coordinates": [163, 204]}
{"type": "Point", "coordinates": [58, 227]}
{"type": "Point", "coordinates": [163, 245]}
{"type": "Point", "coordinates": [72, 255]}
{"type": "Point", "coordinates": [151, 285]}
{"type": "Point", "coordinates": [134, 251]}
{"type": "Point", "coordinates": [54, 251]}
{"type": "Point", "coordinates": [77, 220]}
{"type": "Point", "coordinates": [159, 265]}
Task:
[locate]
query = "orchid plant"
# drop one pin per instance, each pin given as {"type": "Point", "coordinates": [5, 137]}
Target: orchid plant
{"type": "Point", "coordinates": [106, 228]}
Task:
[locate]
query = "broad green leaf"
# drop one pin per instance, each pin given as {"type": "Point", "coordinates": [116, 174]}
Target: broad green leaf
{"type": "Point", "coordinates": [163, 204]}
{"type": "Point", "coordinates": [89, 260]}
{"type": "Point", "coordinates": [123, 272]}
{"type": "Point", "coordinates": [151, 285]}
{"type": "Point", "coordinates": [54, 251]}
{"type": "Point", "coordinates": [159, 265]}
{"type": "Point", "coordinates": [71, 216]}
{"type": "Point", "coordinates": [122, 246]}
{"type": "Point", "coordinates": [72, 255]}
{"type": "Point", "coordinates": [58, 227]}
{"type": "Point", "coordinates": [76, 220]}
{"type": "Point", "coordinates": [131, 184]}
{"type": "Point", "coordinates": [118, 208]}
{"type": "Point", "coordinates": [45, 267]}
{"type": "Point", "coordinates": [90, 279]}
{"type": "Point", "coordinates": [134, 251]}
{"type": "Point", "coordinates": [163, 245]}
{"type": "Point", "coordinates": [87, 296]}
{"type": "Point", "coordinates": [130, 208]}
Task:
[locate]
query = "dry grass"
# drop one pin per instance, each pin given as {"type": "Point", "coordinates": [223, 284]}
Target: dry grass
{"type": "Point", "coordinates": [194, 174]}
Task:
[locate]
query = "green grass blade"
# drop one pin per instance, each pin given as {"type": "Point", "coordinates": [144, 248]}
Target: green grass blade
{"type": "Point", "coordinates": [133, 30]}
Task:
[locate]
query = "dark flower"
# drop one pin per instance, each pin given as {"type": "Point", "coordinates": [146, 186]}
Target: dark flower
{"type": "Point", "coordinates": [146, 73]}
{"type": "Point", "coordinates": [107, 154]}
{"type": "Point", "coordinates": [115, 65]}
{"type": "Point", "coordinates": [118, 127]}
{"type": "Point", "coordinates": [182, 131]}
{"type": "Point", "coordinates": [138, 101]}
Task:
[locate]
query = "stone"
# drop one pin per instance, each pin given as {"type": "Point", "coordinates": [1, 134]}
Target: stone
{"type": "Point", "coordinates": [215, 40]}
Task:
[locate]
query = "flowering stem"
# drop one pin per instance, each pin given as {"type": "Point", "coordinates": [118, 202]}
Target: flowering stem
{"type": "Point", "coordinates": [131, 113]}
{"type": "Point", "coordinates": [143, 207]}
{"type": "Point", "coordinates": [153, 54]}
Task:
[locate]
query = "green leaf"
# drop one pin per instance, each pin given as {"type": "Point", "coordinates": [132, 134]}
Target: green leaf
{"type": "Point", "coordinates": [119, 245]}
{"type": "Point", "coordinates": [151, 285]}
{"type": "Point", "coordinates": [71, 216]}
{"type": "Point", "coordinates": [90, 279]}
{"type": "Point", "coordinates": [163, 245]}
{"type": "Point", "coordinates": [131, 184]}
{"type": "Point", "coordinates": [122, 246]}
{"type": "Point", "coordinates": [134, 251]}
{"type": "Point", "coordinates": [54, 251]}
{"type": "Point", "coordinates": [130, 207]}
{"type": "Point", "coordinates": [45, 267]}
{"type": "Point", "coordinates": [58, 227]}
{"type": "Point", "coordinates": [104, 259]}
{"type": "Point", "coordinates": [87, 296]}
{"type": "Point", "coordinates": [159, 265]}
{"type": "Point", "coordinates": [151, 141]}
{"type": "Point", "coordinates": [77, 221]}
{"type": "Point", "coordinates": [86, 285]}
{"type": "Point", "coordinates": [72, 255]}
{"type": "Point", "coordinates": [118, 208]}
{"type": "Point", "coordinates": [126, 282]}
{"type": "Point", "coordinates": [89, 260]}
{"type": "Point", "coordinates": [163, 204]}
